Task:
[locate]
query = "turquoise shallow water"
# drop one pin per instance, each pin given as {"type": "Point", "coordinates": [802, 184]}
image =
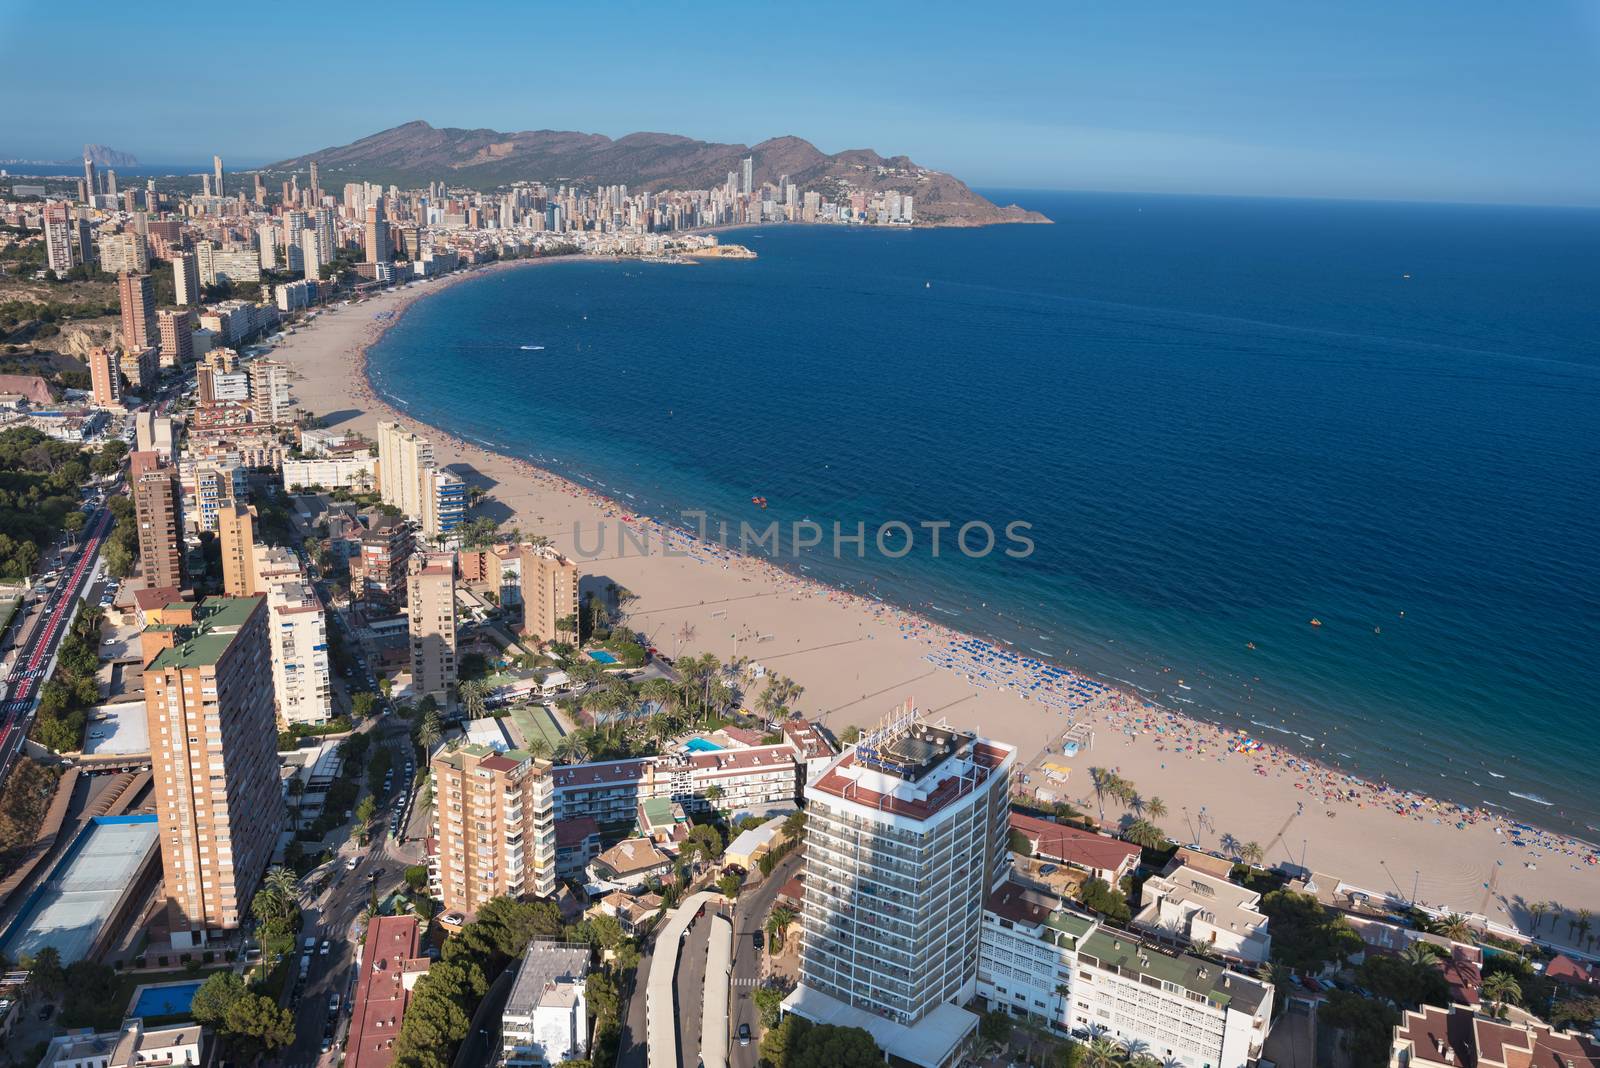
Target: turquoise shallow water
{"type": "Point", "coordinates": [1222, 418]}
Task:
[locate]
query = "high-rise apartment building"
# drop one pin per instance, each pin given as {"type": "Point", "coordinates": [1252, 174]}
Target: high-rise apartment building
{"type": "Point", "coordinates": [270, 401]}
{"type": "Point", "coordinates": [549, 595]}
{"type": "Point", "coordinates": [905, 839]}
{"type": "Point", "coordinates": [236, 534]}
{"type": "Point", "coordinates": [267, 246]}
{"type": "Point", "coordinates": [431, 602]}
{"type": "Point", "coordinates": [315, 182]}
{"type": "Point", "coordinates": [403, 462]}
{"type": "Point", "coordinates": [140, 366]}
{"type": "Point", "coordinates": [379, 247]}
{"type": "Point", "coordinates": [58, 238]}
{"type": "Point", "coordinates": [444, 506]}
{"type": "Point", "coordinates": [123, 252]}
{"type": "Point", "coordinates": [105, 378]}
{"type": "Point", "coordinates": [302, 683]}
{"type": "Point", "coordinates": [313, 254]}
{"type": "Point", "coordinates": [214, 761]}
{"type": "Point", "coordinates": [186, 278]}
{"type": "Point", "coordinates": [747, 175]}
{"type": "Point", "coordinates": [158, 509]}
{"type": "Point", "coordinates": [380, 570]}
{"type": "Point", "coordinates": [177, 337]}
{"type": "Point", "coordinates": [216, 177]}
{"type": "Point", "coordinates": [494, 824]}
{"type": "Point", "coordinates": [138, 299]}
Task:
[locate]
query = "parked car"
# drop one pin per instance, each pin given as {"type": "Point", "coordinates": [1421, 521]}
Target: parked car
{"type": "Point", "coordinates": [744, 1034]}
{"type": "Point", "coordinates": [324, 950]}
{"type": "Point", "coordinates": [333, 1004]}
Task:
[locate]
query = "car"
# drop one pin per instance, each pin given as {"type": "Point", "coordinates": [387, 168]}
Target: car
{"type": "Point", "coordinates": [327, 1043]}
{"type": "Point", "coordinates": [333, 1004]}
{"type": "Point", "coordinates": [324, 950]}
{"type": "Point", "coordinates": [744, 1034]}
{"type": "Point", "coordinates": [755, 938]}
{"type": "Point", "coordinates": [46, 1011]}
{"type": "Point", "coordinates": [311, 943]}
{"type": "Point", "coordinates": [377, 873]}
{"type": "Point", "coordinates": [352, 864]}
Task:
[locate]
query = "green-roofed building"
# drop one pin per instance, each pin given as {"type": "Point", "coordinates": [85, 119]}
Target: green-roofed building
{"type": "Point", "coordinates": [1067, 970]}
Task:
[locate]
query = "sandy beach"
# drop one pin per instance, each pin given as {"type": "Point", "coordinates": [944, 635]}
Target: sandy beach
{"type": "Point", "coordinates": [858, 658]}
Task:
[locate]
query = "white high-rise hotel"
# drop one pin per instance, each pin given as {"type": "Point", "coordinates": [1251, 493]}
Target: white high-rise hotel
{"type": "Point", "coordinates": [905, 838]}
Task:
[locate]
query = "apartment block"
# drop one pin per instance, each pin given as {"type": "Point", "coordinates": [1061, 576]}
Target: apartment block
{"type": "Point", "coordinates": [403, 461]}
{"type": "Point", "coordinates": [379, 571]}
{"type": "Point", "coordinates": [186, 278]}
{"type": "Point", "coordinates": [431, 600]}
{"type": "Point", "coordinates": [546, 1018]}
{"type": "Point", "coordinates": [549, 595]}
{"type": "Point", "coordinates": [444, 506]}
{"type": "Point", "coordinates": [105, 378]}
{"type": "Point", "coordinates": [158, 509]}
{"type": "Point", "coordinates": [302, 680]}
{"type": "Point", "coordinates": [1064, 969]}
{"type": "Point", "coordinates": [236, 534]}
{"type": "Point", "coordinates": [177, 337]}
{"type": "Point", "coordinates": [270, 401]}
{"type": "Point", "coordinates": [1187, 906]}
{"type": "Point", "coordinates": [137, 299]}
{"type": "Point", "coordinates": [905, 840]}
{"type": "Point", "coordinates": [213, 750]}
{"type": "Point", "coordinates": [494, 826]}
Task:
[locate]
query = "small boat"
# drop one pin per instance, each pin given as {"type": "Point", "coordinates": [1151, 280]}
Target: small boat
{"type": "Point", "coordinates": [927, 285]}
{"type": "Point", "coordinates": [759, 502]}
{"type": "Point", "coordinates": [532, 348]}
{"type": "Point", "coordinates": [1315, 622]}
{"type": "Point", "coordinates": [1249, 645]}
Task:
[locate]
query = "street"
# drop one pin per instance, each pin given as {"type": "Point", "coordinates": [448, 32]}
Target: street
{"type": "Point", "coordinates": [749, 922]}
{"type": "Point", "coordinates": [333, 913]}
{"type": "Point", "coordinates": [44, 628]}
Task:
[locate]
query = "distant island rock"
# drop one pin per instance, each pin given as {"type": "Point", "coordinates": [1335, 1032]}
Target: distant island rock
{"type": "Point", "coordinates": [101, 156]}
{"type": "Point", "coordinates": [417, 153]}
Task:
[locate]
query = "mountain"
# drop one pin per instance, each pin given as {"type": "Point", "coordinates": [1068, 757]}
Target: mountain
{"type": "Point", "coordinates": [417, 153]}
{"type": "Point", "coordinates": [109, 157]}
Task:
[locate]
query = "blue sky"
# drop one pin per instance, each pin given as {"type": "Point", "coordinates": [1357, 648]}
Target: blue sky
{"type": "Point", "coordinates": [1466, 100]}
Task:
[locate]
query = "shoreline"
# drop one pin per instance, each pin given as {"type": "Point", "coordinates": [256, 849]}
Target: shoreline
{"type": "Point", "coordinates": [1195, 764]}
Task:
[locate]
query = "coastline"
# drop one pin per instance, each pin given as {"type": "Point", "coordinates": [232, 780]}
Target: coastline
{"type": "Point", "coordinates": [857, 658]}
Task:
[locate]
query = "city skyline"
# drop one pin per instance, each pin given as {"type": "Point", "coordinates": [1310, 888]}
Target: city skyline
{"type": "Point", "coordinates": [1371, 104]}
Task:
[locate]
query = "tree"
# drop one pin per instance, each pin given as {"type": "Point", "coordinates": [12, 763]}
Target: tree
{"type": "Point", "coordinates": [1102, 1053]}
{"type": "Point", "coordinates": [1099, 896]}
{"type": "Point", "coordinates": [1306, 936]}
{"type": "Point", "coordinates": [366, 808]}
{"type": "Point", "coordinates": [778, 923]}
{"type": "Point", "coordinates": [215, 997]}
{"type": "Point", "coordinates": [362, 704]}
{"type": "Point", "coordinates": [1501, 989]}
{"type": "Point", "coordinates": [474, 693]}
{"type": "Point", "coordinates": [995, 1028]}
{"type": "Point", "coordinates": [1142, 832]}
{"type": "Point", "coordinates": [730, 884]}
{"type": "Point", "coordinates": [281, 881]}
{"type": "Point", "coordinates": [798, 1043]}
{"type": "Point", "coordinates": [1251, 853]}
{"type": "Point", "coordinates": [769, 1002]}
{"type": "Point", "coordinates": [1155, 808]}
{"type": "Point", "coordinates": [260, 1021]}
{"type": "Point", "coordinates": [45, 973]}
{"type": "Point", "coordinates": [1455, 927]}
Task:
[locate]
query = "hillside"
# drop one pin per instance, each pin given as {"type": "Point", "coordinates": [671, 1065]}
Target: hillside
{"type": "Point", "coordinates": [417, 153]}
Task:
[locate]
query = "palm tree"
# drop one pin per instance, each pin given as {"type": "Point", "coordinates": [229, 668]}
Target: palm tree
{"type": "Point", "coordinates": [1537, 912]}
{"type": "Point", "coordinates": [1251, 853]}
{"type": "Point", "coordinates": [1582, 924]}
{"type": "Point", "coordinates": [429, 730]}
{"type": "Point", "coordinates": [1142, 832]}
{"type": "Point", "coordinates": [280, 881]}
{"type": "Point", "coordinates": [1420, 954]}
{"type": "Point", "coordinates": [473, 693]}
{"type": "Point", "coordinates": [1101, 1053]}
{"type": "Point", "coordinates": [1455, 927]}
{"type": "Point", "coordinates": [1501, 988]}
{"type": "Point", "coordinates": [538, 747]}
{"type": "Point", "coordinates": [1155, 808]}
{"type": "Point", "coordinates": [1103, 781]}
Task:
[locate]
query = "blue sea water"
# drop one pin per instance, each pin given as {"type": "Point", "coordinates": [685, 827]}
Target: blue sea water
{"type": "Point", "coordinates": [1222, 417]}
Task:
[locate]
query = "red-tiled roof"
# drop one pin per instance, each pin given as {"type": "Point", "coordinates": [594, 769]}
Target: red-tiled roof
{"type": "Point", "coordinates": [574, 832]}
{"type": "Point", "coordinates": [986, 757]}
{"type": "Point", "coordinates": [1017, 903]}
{"type": "Point", "coordinates": [1069, 845]}
{"type": "Point", "coordinates": [391, 951]}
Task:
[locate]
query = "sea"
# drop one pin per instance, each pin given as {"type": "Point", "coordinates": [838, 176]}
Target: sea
{"type": "Point", "coordinates": [1327, 472]}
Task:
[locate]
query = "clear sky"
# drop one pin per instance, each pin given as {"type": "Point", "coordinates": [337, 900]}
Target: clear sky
{"type": "Point", "coordinates": [1440, 99]}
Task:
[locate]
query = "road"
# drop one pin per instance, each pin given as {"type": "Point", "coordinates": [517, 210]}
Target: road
{"type": "Point", "coordinates": [750, 912]}
{"type": "Point", "coordinates": [46, 625]}
{"type": "Point", "coordinates": [332, 914]}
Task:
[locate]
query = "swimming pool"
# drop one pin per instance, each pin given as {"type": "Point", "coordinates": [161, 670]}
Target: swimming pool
{"type": "Point", "coordinates": [701, 745]}
{"type": "Point", "coordinates": [164, 999]}
{"type": "Point", "coordinates": [600, 656]}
